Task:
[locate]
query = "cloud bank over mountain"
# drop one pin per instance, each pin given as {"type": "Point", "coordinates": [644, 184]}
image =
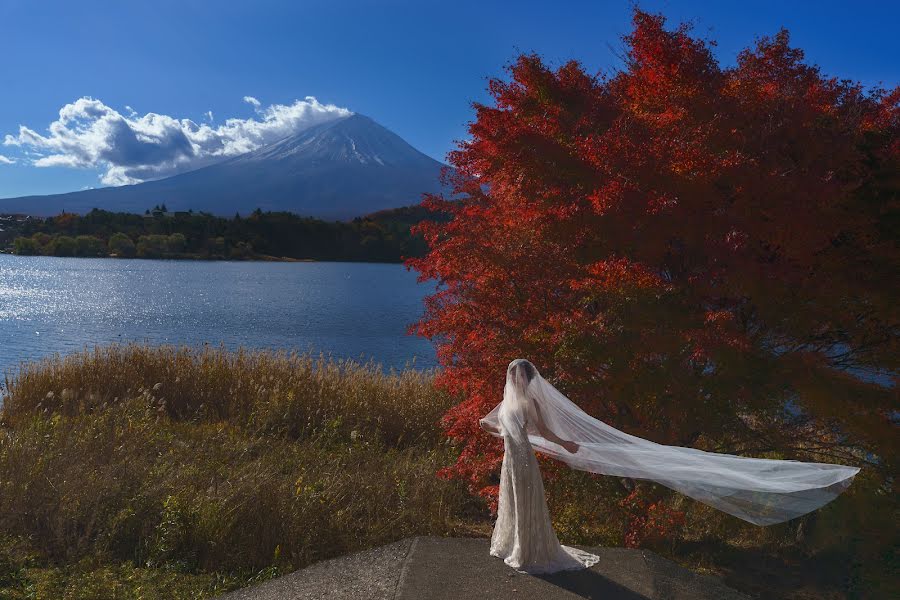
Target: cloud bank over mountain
{"type": "Point", "coordinates": [337, 170]}
{"type": "Point", "coordinates": [133, 148]}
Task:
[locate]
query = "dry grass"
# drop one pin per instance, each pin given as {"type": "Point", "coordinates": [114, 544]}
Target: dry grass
{"type": "Point", "coordinates": [296, 395]}
{"type": "Point", "coordinates": [216, 462]}
{"type": "Point", "coordinates": [156, 472]}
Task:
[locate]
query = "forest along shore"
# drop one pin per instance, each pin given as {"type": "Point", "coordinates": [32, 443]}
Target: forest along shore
{"type": "Point", "coordinates": [385, 236]}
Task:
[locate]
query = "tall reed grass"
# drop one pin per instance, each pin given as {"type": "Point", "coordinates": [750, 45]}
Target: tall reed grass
{"type": "Point", "coordinates": [204, 461]}
{"type": "Point", "coordinates": [160, 472]}
{"type": "Point", "coordinates": [265, 392]}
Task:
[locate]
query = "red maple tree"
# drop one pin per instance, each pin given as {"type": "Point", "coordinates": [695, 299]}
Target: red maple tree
{"type": "Point", "coordinates": [699, 255]}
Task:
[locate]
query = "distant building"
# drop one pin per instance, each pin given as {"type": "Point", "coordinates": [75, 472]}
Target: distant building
{"type": "Point", "coordinates": [18, 218]}
{"type": "Point", "coordinates": [159, 212]}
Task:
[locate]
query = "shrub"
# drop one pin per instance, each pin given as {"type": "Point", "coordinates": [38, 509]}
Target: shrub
{"type": "Point", "coordinates": [26, 246]}
{"type": "Point", "coordinates": [88, 245]}
{"type": "Point", "coordinates": [177, 243]}
{"type": "Point", "coordinates": [121, 245]}
{"type": "Point", "coordinates": [152, 246]}
{"type": "Point", "coordinates": [62, 245]}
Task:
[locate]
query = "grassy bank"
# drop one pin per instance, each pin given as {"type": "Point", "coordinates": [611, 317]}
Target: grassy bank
{"type": "Point", "coordinates": [141, 472]}
{"type": "Point", "coordinates": [163, 473]}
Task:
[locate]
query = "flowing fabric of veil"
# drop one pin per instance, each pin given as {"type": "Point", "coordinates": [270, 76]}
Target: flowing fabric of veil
{"type": "Point", "coordinates": [761, 491]}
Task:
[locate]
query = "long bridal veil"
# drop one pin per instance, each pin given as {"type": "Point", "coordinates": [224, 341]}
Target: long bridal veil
{"type": "Point", "coordinates": [761, 491]}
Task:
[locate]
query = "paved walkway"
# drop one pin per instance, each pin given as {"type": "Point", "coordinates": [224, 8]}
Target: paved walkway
{"type": "Point", "coordinates": [430, 568]}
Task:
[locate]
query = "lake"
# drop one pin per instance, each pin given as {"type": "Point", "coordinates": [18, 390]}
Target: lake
{"type": "Point", "coordinates": [350, 310]}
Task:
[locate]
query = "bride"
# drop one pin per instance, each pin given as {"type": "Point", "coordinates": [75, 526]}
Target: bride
{"type": "Point", "coordinates": [535, 415]}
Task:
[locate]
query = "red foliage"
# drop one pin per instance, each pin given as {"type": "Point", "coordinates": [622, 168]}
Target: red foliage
{"type": "Point", "coordinates": [648, 519]}
{"type": "Point", "coordinates": [681, 248]}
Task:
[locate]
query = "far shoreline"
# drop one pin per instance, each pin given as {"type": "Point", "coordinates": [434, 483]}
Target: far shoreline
{"type": "Point", "coordinates": [198, 258]}
{"type": "Point", "coordinates": [384, 237]}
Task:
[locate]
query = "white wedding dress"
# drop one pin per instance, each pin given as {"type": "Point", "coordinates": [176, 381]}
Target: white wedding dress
{"type": "Point", "coordinates": [523, 535]}
{"type": "Point", "coordinates": [761, 491]}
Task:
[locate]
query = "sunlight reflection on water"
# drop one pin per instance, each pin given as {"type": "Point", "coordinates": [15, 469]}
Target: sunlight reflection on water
{"type": "Point", "coordinates": [58, 305]}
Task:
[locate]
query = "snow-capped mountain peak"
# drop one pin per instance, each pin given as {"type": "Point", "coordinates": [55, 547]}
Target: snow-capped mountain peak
{"type": "Point", "coordinates": [335, 170]}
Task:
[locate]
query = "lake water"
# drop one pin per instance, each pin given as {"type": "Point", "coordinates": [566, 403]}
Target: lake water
{"type": "Point", "coordinates": [350, 310]}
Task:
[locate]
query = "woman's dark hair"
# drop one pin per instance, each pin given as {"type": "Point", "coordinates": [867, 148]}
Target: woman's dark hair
{"type": "Point", "coordinates": [528, 369]}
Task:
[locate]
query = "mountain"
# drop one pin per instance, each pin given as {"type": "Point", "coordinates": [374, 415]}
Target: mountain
{"type": "Point", "coordinates": [336, 170]}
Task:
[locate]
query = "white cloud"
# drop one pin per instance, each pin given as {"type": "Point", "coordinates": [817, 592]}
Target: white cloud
{"type": "Point", "coordinates": [132, 148]}
{"type": "Point", "coordinates": [209, 116]}
{"type": "Point", "coordinates": [6, 161]}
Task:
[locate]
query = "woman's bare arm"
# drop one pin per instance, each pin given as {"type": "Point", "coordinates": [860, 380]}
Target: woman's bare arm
{"type": "Point", "coordinates": [548, 434]}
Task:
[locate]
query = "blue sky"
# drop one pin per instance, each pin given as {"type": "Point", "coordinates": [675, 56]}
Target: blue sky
{"type": "Point", "coordinates": [415, 67]}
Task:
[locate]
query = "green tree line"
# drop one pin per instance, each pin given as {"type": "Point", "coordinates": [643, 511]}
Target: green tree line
{"type": "Point", "coordinates": [381, 237]}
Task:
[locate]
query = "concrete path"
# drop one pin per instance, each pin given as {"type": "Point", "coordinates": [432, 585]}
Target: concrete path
{"type": "Point", "coordinates": [430, 568]}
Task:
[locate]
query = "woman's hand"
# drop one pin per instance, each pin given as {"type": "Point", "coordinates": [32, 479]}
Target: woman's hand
{"type": "Point", "coordinates": [572, 447]}
{"type": "Point", "coordinates": [487, 427]}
